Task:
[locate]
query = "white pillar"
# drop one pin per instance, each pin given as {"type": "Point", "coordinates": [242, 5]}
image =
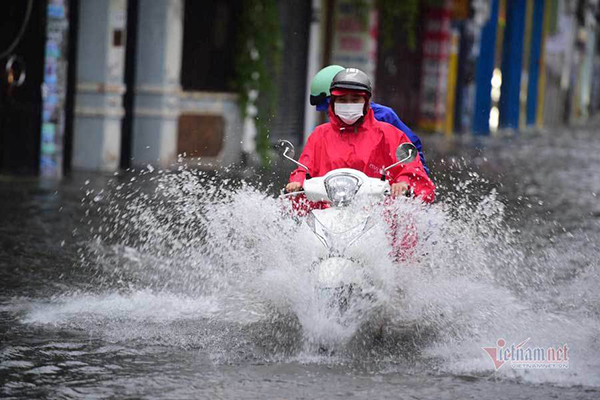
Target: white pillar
{"type": "Point", "coordinates": [99, 92]}
{"type": "Point", "coordinates": [158, 87]}
{"type": "Point", "coordinates": [588, 58]}
{"type": "Point", "coordinates": [315, 50]}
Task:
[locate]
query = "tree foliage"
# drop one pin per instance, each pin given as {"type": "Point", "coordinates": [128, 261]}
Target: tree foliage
{"type": "Point", "coordinates": [403, 15]}
{"type": "Point", "coordinates": [257, 63]}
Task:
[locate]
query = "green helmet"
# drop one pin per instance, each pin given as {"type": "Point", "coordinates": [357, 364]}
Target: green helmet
{"type": "Point", "coordinates": [319, 87]}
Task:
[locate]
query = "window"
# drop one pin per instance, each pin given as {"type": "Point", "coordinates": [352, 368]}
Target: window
{"type": "Point", "coordinates": [209, 39]}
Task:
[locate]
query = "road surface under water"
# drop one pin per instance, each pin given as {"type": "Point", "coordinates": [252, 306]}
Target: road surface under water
{"type": "Point", "coordinates": [187, 285]}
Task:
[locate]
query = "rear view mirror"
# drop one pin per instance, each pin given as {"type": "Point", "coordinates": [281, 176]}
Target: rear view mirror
{"type": "Point", "coordinates": [288, 152]}
{"type": "Point", "coordinates": [287, 148]}
{"type": "Point", "coordinates": [406, 153]}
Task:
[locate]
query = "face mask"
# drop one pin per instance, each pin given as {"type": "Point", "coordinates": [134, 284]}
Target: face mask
{"type": "Point", "coordinates": [349, 112]}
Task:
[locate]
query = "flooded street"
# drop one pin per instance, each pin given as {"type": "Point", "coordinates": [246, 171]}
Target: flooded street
{"type": "Point", "coordinates": [188, 285]}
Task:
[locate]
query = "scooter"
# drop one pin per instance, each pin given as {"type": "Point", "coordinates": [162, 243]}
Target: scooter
{"type": "Point", "coordinates": [342, 282]}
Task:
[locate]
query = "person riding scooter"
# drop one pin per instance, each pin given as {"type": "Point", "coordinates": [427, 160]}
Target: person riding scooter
{"type": "Point", "coordinates": [320, 97]}
{"type": "Point", "coordinates": [355, 139]}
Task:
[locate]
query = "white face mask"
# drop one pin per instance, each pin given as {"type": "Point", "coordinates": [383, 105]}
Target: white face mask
{"type": "Point", "coordinates": [349, 112]}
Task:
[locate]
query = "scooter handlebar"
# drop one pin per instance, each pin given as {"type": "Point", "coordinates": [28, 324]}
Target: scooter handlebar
{"type": "Point", "coordinates": [284, 195]}
{"type": "Point", "coordinates": [408, 193]}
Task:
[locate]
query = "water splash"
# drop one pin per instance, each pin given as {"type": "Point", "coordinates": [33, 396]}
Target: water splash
{"type": "Point", "coordinates": [199, 261]}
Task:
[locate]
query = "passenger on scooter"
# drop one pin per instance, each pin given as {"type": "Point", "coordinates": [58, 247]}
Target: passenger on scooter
{"type": "Point", "coordinates": [353, 138]}
{"type": "Point", "coordinates": [320, 97]}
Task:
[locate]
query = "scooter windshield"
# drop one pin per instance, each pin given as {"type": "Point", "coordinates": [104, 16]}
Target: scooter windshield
{"type": "Point", "coordinates": [338, 229]}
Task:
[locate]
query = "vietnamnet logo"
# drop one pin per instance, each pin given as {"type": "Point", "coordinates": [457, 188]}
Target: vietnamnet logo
{"type": "Point", "coordinates": [520, 356]}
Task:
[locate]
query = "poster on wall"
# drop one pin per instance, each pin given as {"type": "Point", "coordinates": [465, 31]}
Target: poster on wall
{"type": "Point", "coordinates": [355, 36]}
{"type": "Point", "coordinates": [54, 89]}
{"type": "Point", "coordinates": [434, 76]}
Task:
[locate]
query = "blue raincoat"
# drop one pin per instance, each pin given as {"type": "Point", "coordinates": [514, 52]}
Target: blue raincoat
{"type": "Point", "coordinates": [386, 114]}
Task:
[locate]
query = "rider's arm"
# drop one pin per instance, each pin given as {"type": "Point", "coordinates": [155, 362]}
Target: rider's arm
{"type": "Point", "coordinates": [414, 175]}
{"type": "Point", "coordinates": [307, 158]}
{"type": "Point", "coordinates": [418, 181]}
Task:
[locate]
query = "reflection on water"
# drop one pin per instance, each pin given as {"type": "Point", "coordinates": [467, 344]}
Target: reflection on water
{"type": "Point", "coordinates": [178, 285]}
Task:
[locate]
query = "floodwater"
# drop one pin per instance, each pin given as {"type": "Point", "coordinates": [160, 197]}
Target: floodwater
{"type": "Point", "coordinates": [186, 285]}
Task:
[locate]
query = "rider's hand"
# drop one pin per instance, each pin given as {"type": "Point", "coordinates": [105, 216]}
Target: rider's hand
{"type": "Point", "coordinates": [399, 189]}
{"type": "Point", "coordinates": [293, 187]}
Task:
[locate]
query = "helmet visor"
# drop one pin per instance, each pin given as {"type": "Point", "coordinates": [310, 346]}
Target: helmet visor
{"type": "Point", "coordinates": [343, 92]}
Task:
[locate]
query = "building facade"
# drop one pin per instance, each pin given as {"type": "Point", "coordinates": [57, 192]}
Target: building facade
{"type": "Point", "coordinates": [100, 85]}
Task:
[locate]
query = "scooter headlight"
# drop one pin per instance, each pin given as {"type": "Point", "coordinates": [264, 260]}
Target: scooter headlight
{"type": "Point", "coordinates": [341, 189]}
